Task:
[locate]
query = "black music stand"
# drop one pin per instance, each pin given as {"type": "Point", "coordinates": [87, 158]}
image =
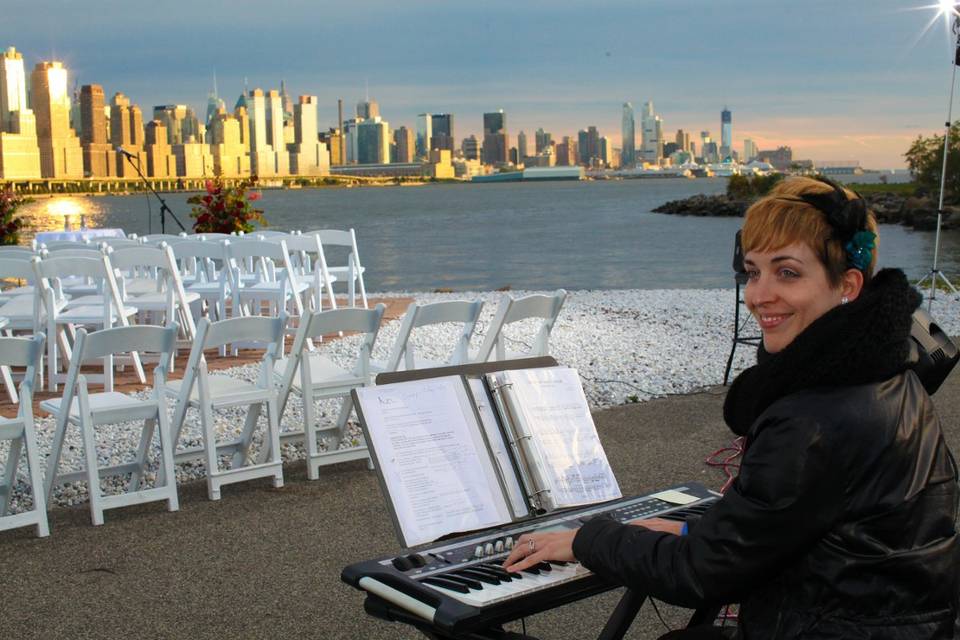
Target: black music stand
{"type": "Point", "coordinates": [740, 278]}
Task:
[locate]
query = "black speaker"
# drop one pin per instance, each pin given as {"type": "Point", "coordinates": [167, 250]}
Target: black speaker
{"type": "Point", "coordinates": [738, 256]}
{"type": "Point", "coordinates": [932, 354]}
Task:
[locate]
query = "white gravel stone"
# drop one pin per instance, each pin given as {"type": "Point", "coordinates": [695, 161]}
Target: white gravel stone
{"type": "Point", "coordinates": [627, 345]}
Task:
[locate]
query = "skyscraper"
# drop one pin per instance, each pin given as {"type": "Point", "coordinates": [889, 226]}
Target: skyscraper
{"type": "Point", "coordinates": [543, 140]}
{"type": "Point", "coordinates": [19, 153]}
{"type": "Point", "coordinates": [683, 140]}
{"type": "Point", "coordinates": [628, 153]}
{"type": "Point", "coordinates": [60, 152]}
{"type": "Point", "coordinates": [496, 141]}
{"type": "Point", "coordinates": [424, 135]}
{"type": "Point", "coordinates": [368, 109]}
{"type": "Point", "coordinates": [98, 156]}
{"type": "Point", "coordinates": [588, 144]}
{"type": "Point", "coordinates": [471, 148]}
{"type": "Point", "coordinates": [275, 133]}
{"type": "Point", "coordinates": [126, 132]}
{"type": "Point", "coordinates": [262, 156]}
{"type": "Point", "coordinates": [726, 133]}
{"type": "Point", "coordinates": [749, 150]}
{"type": "Point", "coordinates": [161, 162]}
{"type": "Point", "coordinates": [230, 158]}
{"type": "Point", "coordinates": [442, 125]}
{"type": "Point", "coordinates": [373, 141]}
{"type": "Point", "coordinates": [652, 134]}
{"type": "Point", "coordinates": [308, 156]}
{"type": "Point", "coordinates": [404, 143]}
{"type": "Point", "coordinates": [522, 145]}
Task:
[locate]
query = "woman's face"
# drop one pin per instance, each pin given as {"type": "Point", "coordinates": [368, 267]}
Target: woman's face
{"type": "Point", "coordinates": [787, 289]}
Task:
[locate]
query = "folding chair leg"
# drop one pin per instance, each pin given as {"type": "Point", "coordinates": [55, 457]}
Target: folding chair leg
{"type": "Point", "coordinates": [93, 474]}
{"type": "Point", "coordinates": [36, 483]}
{"type": "Point", "coordinates": [310, 437]}
{"type": "Point", "coordinates": [8, 383]}
{"type": "Point", "coordinates": [210, 446]}
{"type": "Point", "coordinates": [273, 426]}
{"type": "Point", "coordinates": [53, 461]}
{"type": "Point", "coordinates": [166, 475]}
{"type": "Point", "coordinates": [10, 474]}
{"type": "Point", "coordinates": [142, 450]}
{"type": "Point", "coordinates": [246, 437]}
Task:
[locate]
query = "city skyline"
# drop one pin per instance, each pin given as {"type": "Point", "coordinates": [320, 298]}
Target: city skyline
{"type": "Point", "coordinates": [829, 79]}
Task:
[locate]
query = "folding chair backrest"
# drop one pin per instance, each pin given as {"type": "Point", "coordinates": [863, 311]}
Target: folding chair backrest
{"type": "Point", "coordinates": [336, 237]}
{"type": "Point", "coordinates": [157, 238]}
{"type": "Point", "coordinates": [192, 248]}
{"type": "Point", "coordinates": [459, 311]}
{"type": "Point", "coordinates": [120, 242]}
{"type": "Point", "coordinates": [269, 233]}
{"type": "Point", "coordinates": [145, 338]}
{"type": "Point", "coordinates": [16, 253]}
{"type": "Point", "coordinates": [510, 310]}
{"type": "Point", "coordinates": [96, 265]}
{"type": "Point", "coordinates": [16, 267]}
{"type": "Point", "coordinates": [244, 248]}
{"type": "Point", "coordinates": [256, 329]}
{"type": "Point", "coordinates": [21, 352]}
{"type": "Point", "coordinates": [55, 245]}
{"type": "Point", "coordinates": [133, 257]}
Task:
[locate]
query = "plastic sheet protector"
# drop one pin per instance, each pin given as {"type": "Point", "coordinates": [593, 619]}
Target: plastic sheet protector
{"type": "Point", "coordinates": [435, 465]}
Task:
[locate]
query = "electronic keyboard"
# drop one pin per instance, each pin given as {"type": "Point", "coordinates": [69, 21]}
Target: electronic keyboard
{"type": "Point", "coordinates": [458, 585]}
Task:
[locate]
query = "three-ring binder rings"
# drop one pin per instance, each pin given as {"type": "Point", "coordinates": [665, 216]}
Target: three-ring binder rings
{"type": "Point", "coordinates": [473, 450]}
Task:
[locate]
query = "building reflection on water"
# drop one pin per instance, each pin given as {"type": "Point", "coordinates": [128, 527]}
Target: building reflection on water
{"type": "Point", "coordinates": [58, 212]}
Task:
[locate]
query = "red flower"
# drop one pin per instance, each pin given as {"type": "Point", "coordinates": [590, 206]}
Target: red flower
{"type": "Point", "coordinates": [254, 195]}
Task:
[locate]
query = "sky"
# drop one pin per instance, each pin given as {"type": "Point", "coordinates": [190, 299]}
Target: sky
{"type": "Point", "coordinates": [835, 80]}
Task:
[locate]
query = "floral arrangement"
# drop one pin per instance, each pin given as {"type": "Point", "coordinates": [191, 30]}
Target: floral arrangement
{"type": "Point", "coordinates": [226, 209]}
{"type": "Point", "coordinates": [10, 225]}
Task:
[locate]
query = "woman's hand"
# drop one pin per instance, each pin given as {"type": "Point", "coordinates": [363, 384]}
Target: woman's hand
{"type": "Point", "coordinates": [532, 548]}
{"type": "Point", "coordinates": [659, 524]}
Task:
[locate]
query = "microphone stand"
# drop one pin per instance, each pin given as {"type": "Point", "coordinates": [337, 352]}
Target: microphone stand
{"type": "Point", "coordinates": [164, 209]}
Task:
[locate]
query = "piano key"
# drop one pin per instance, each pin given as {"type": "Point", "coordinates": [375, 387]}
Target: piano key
{"type": "Point", "coordinates": [464, 580]}
{"type": "Point", "coordinates": [481, 574]}
{"type": "Point", "coordinates": [443, 583]}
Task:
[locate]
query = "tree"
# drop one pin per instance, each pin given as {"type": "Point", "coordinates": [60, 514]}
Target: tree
{"type": "Point", "coordinates": [925, 161]}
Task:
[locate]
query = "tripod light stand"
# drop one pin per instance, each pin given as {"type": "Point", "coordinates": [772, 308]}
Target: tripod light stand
{"type": "Point", "coordinates": [935, 273]}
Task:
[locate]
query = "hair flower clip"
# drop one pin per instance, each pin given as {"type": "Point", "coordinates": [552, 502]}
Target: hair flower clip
{"type": "Point", "coordinates": [859, 250]}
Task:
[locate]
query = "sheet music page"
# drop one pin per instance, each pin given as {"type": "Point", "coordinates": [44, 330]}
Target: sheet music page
{"type": "Point", "coordinates": [499, 447]}
{"type": "Point", "coordinates": [573, 464]}
{"type": "Point", "coordinates": [432, 457]}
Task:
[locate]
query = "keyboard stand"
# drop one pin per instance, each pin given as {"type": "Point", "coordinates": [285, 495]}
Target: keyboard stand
{"type": "Point", "coordinates": [615, 629]}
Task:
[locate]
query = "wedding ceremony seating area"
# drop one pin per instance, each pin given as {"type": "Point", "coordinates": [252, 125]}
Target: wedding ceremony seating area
{"type": "Point", "coordinates": [167, 357]}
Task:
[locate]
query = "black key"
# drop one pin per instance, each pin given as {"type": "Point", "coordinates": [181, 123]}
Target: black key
{"type": "Point", "coordinates": [545, 566]}
{"type": "Point", "coordinates": [500, 572]}
{"type": "Point", "coordinates": [535, 570]}
{"type": "Point", "coordinates": [559, 563]}
{"type": "Point", "coordinates": [438, 581]}
{"type": "Point", "coordinates": [464, 580]}
{"type": "Point", "coordinates": [479, 574]}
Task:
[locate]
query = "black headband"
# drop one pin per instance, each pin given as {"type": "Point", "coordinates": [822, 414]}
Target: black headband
{"type": "Point", "coordinates": [846, 216]}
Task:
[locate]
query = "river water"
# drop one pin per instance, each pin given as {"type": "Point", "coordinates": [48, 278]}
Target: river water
{"type": "Point", "coordinates": [527, 235]}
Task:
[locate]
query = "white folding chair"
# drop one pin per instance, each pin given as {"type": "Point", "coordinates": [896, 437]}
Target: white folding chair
{"type": "Point", "coordinates": [156, 238]}
{"type": "Point", "coordinates": [313, 376]}
{"type": "Point", "coordinates": [352, 272]}
{"type": "Point", "coordinates": [201, 266]}
{"type": "Point", "coordinates": [102, 311]}
{"type": "Point", "coordinates": [207, 392]}
{"type": "Point", "coordinates": [510, 311]}
{"type": "Point", "coordinates": [402, 355]}
{"type": "Point", "coordinates": [154, 285]}
{"type": "Point", "coordinates": [23, 313]}
{"type": "Point", "coordinates": [260, 272]}
{"type": "Point", "coordinates": [89, 411]}
{"type": "Point", "coordinates": [19, 431]}
{"type": "Point", "coordinates": [310, 266]}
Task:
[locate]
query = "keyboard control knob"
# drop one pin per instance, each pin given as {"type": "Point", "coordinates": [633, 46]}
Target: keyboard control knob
{"type": "Point", "coordinates": [478, 552]}
{"type": "Point", "coordinates": [488, 550]}
{"type": "Point", "coordinates": [498, 547]}
{"type": "Point", "coordinates": [508, 543]}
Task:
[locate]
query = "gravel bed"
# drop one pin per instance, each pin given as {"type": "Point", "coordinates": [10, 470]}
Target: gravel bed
{"type": "Point", "coordinates": [628, 346]}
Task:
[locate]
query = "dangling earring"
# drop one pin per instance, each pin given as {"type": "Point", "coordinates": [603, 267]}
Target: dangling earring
{"type": "Point", "coordinates": [844, 300]}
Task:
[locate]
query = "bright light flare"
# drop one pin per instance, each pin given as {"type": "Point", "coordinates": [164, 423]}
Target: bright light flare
{"type": "Point", "coordinates": [948, 7]}
{"type": "Point", "coordinates": [64, 207]}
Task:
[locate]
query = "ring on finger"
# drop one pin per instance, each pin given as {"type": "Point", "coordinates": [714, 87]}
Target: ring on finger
{"type": "Point", "coordinates": [531, 545]}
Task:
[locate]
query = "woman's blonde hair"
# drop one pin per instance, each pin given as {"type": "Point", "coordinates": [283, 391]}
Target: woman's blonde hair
{"type": "Point", "coordinates": [783, 217]}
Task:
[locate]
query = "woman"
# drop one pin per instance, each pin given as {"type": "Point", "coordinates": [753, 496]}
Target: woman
{"type": "Point", "coordinates": [841, 521]}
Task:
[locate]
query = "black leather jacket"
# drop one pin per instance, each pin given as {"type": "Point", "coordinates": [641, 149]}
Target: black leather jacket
{"type": "Point", "coordinates": [841, 521]}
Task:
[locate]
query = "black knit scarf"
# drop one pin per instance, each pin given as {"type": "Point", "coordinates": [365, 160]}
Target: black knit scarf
{"type": "Point", "coordinates": [857, 343]}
